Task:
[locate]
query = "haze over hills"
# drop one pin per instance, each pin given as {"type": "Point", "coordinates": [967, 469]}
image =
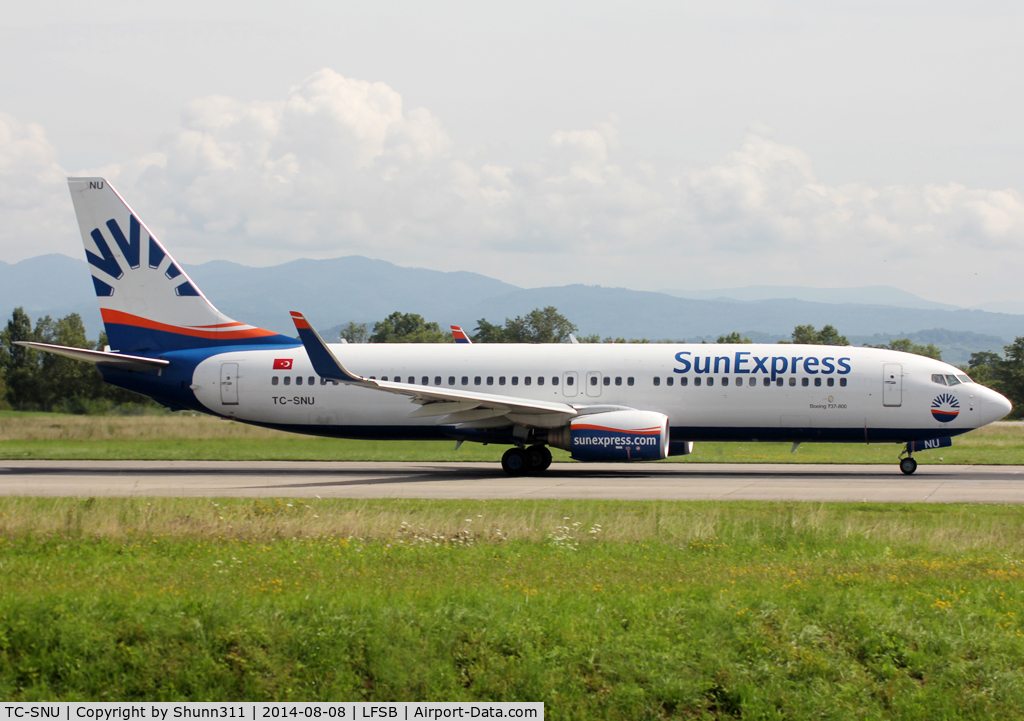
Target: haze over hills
{"type": "Point", "coordinates": [354, 288]}
{"type": "Point", "coordinates": [867, 295]}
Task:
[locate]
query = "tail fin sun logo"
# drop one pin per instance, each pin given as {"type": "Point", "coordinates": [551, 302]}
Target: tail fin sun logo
{"type": "Point", "coordinates": [131, 253]}
{"type": "Point", "coordinates": [945, 407]}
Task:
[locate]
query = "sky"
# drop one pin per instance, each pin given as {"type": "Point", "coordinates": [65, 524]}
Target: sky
{"type": "Point", "coordinates": [647, 145]}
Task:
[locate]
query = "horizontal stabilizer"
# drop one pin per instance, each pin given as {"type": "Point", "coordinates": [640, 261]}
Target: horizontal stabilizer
{"type": "Point", "coordinates": [105, 358]}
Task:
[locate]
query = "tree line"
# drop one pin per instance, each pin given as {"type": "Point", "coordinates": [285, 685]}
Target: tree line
{"type": "Point", "coordinates": [32, 380]}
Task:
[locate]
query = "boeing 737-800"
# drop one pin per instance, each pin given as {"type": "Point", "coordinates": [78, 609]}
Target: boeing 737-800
{"type": "Point", "coordinates": [600, 402]}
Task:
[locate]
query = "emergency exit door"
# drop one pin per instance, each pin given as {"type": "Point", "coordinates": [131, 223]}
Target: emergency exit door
{"type": "Point", "coordinates": [892, 384]}
{"type": "Point", "coordinates": [229, 384]}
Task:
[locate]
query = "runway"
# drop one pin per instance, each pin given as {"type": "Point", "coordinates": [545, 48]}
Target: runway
{"type": "Point", "coordinates": [658, 481]}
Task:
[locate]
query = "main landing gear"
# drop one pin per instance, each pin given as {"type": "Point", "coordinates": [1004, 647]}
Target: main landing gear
{"type": "Point", "coordinates": [526, 461]}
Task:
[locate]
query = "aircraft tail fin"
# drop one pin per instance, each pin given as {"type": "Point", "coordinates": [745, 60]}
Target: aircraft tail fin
{"type": "Point", "coordinates": [147, 301]}
{"type": "Point", "coordinates": [460, 335]}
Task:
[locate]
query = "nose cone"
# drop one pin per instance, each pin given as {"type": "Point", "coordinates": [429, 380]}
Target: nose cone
{"type": "Point", "coordinates": [993, 406]}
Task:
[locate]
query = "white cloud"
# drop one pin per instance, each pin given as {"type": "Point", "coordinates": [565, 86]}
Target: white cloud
{"type": "Point", "coordinates": [34, 202]}
{"type": "Point", "coordinates": [341, 166]}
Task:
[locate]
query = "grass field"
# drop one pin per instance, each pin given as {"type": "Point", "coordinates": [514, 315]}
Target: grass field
{"type": "Point", "coordinates": [600, 609]}
{"type": "Point", "coordinates": [184, 436]}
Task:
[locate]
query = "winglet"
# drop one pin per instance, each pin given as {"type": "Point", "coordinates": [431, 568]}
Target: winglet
{"type": "Point", "coordinates": [460, 335]}
{"type": "Point", "coordinates": [325, 363]}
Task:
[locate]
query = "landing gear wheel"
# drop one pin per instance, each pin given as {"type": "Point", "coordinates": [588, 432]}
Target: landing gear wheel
{"type": "Point", "coordinates": [908, 465]}
{"type": "Point", "coordinates": [538, 458]}
{"type": "Point", "coordinates": [514, 462]}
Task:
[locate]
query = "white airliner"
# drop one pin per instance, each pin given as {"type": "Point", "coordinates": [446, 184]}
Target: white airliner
{"type": "Point", "coordinates": [601, 402]}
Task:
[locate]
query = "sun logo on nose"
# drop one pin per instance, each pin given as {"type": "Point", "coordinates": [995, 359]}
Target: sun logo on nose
{"type": "Point", "coordinates": [945, 407]}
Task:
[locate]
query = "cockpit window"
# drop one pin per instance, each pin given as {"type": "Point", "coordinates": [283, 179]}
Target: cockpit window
{"type": "Point", "coordinates": [940, 379]}
{"type": "Point", "coordinates": [952, 380]}
{"type": "Point", "coordinates": [964, 378]}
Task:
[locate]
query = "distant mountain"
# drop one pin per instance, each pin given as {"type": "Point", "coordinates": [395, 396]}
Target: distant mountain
{"type": "Point", "coordinates": [640, 314]}
{"type": "Point", "coordinates": [338, 290]}
{"type": "Point", "coordinates": [956, 346]}
{"type": "Point", "coordinates": [1002, 306]}
{"type": "Point", "coordinates": [353, 288]}
{"type": "Point", "coordinates": [866, 295]}
{"type": "Point", "coordinates": [53, 285]}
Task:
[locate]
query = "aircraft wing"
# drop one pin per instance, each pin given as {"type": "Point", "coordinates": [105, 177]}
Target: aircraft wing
{"type": "Point", "coordinates": [460, 406]}
{"type": "Point", "coordinates": [117, 360]}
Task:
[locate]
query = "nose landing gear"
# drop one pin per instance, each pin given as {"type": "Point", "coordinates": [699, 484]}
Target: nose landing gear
{"type": "Point", "coordinates": [908, 465]}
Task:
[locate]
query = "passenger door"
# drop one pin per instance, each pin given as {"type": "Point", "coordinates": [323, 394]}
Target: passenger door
{"type": "Point", "coordinates": [892, 385]}
{"type": "Point", "coordinates": [593, 384]}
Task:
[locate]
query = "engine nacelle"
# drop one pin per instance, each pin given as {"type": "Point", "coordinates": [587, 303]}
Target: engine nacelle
{"type": "Point", "coordinates": [614, 436]}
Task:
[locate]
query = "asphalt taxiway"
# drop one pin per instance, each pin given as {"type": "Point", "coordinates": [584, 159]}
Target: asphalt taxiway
{"type": "Point", "coordinates": [660, 481]}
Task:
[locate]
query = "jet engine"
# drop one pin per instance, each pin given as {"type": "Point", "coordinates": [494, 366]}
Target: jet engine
{"type": "Point", "coordinates": [614, 436]}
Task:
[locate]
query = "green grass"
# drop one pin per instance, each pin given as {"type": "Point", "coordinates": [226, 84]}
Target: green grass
{"type": "Point", "coordinates": [196, 437]}
{"type": "Point", "coordinates": [600, 609]}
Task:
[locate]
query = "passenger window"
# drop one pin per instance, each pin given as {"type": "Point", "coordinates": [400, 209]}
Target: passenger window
{"type": "Point", "coordinates": [669, 381]}
{"type": "Point", "coordinates": [767, 382]}
{"type": "Point", "coordinates": [323, 381]}
{"type": "Point", "coordinates": [501, 380]}
{"type": "Point", "coordinates": [437, 380]}
{"type": "Point", "coordinates": [412, 379]}
{"type": "Point", "coordinates": [618, 380]}
{"type": "Point", "coordinates": [554, 380]}
{"type": "Point", "coordinates": [311, 380]}
{"type": "Point", "coordinates": [805, 382]}
{"type": "Point", "coordinates": [607, 380]}
{"type": "Point", "coordinates": [425, 380]}
{"type": "Point", "coordinates": [831, 382]}
{"type": "Point", "coordinates": [287, 380]}
{"type": "Point", "coordinates": [952, 380]}
{"type": "Point", "coordinates": [939, 378]}
{"type": "Point", "coordinates": [273, 381]}
{"type": "Point", "coordinates": [593, 380]}
{"type": "Point", "coordinates": [526, 380]}
{"type": "Point", "coordinates": [696, 381]}
{"type": "Point", "coordinates": [779, 382]}
{"type": "Point", "coordinates": [817, 382]}
{"type": "Point", "coordinates": [683, 381]}
{"type": "Point", "coordinates": [657, 381]}
{"type": "Point", "coordinates": [739, 381]}
{"type": "Point", "coordinates": [792, 381]}
{"type": "Point", "coordinates": [711, 382]}
{"type": "Point", "coordinates": [490, 380]}
{"type": "Point", "coordinates": [476, 380]}
{"type": "Point", "coordinates": [725, 381]}
{"type": "Point", "coordinates": [629, 381]}
{"type": "Point", "coordinates": [540, 380]}
{"type": "Point", "coordinates": [842, 382]}
{"type": "Point", "coordinates": [298, 381]}
{"type": "Point", "coordinates": [515, 380]}
{"type": "Point", "coordinates": [451, 380]}
{"type": "Point", "coordinates": [569, 381]}
{"type": "Point", "coordinates": [465, 380]}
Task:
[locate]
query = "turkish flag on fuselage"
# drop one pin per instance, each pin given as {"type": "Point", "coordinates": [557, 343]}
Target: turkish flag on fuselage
{"type": "Point", "coordinates": [282, 364]}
